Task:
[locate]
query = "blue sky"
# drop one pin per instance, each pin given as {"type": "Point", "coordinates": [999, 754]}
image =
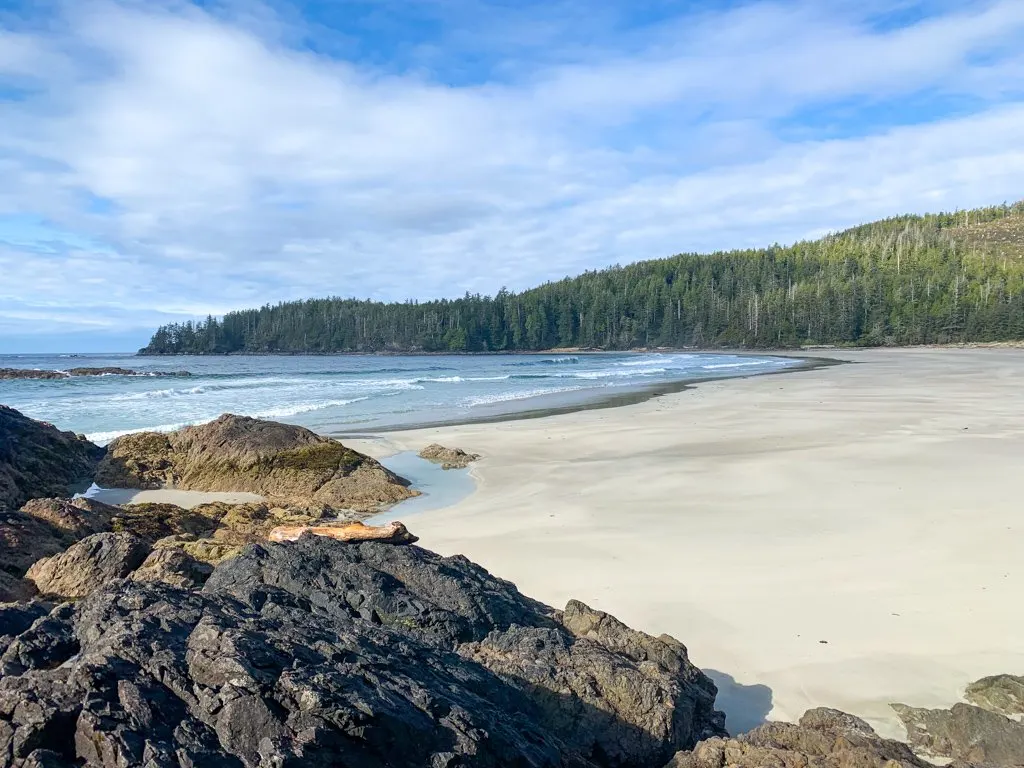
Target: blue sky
{"type": "Point", "coordinates": [162, 160]}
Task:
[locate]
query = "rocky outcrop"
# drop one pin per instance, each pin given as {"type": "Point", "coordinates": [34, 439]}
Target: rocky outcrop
{"type": "Point", "coordinates": [448, 458]}
{"type": "Point", "coordinates": [156, 521]}
{"type": "Point", "coordinates": [324, 653]}
{"type": "Point", "coordinates": [23, 540]}
{"type": "Point", "coordinates": [38, 460]}
{"type": "Point", "coordinates": [966, 733]}
{"type": "Point", "coordinates": [1003, 694]}
{"type": "Point", "coordinates": [824, 738]}
{"type": "Point", "coordinates": [286, 464]}
{"type": "Point", "coordinates": [31, 373]}
{"type": "Point", "coordinates": [88, 565]}
{"type": "Point", "coordinates": [175, 567]}
{"type": "Point", "coordinates": [391, 533]}
{"type": "Point", "coordinates": [73, 518]}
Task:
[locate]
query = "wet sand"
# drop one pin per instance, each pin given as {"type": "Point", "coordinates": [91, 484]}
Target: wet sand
{"type": "Point", "coordinates": [844, 536]}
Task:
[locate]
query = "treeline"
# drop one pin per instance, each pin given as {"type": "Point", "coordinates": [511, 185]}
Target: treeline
{"type": "Point", "coordinates": [906, 280]}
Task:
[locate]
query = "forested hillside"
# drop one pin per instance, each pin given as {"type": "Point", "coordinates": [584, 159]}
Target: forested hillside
{"type": "Point", "coordinates": [906, 280]}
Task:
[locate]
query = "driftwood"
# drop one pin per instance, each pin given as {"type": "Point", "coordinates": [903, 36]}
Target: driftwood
{"type": "Point", "coordinates": [391, 533]}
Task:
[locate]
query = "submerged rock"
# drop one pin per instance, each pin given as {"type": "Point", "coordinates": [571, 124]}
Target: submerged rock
{"type": "Point", "coordinates": [287, 464]}
{"type": "Point", "coordinates": [824, 738]}
{"type": "Point", "coordinates": [448, 458]}
{"type": "Point", "coordinates": [88, 565]}
{"type": "Point", "coordinates": [323, 653]}
{"type": "Point", "coordinates": [999, 693]}
{"type": "Point", "coordinates": [31, 373]}
{"type": "Point", "coordinates": [966, 733]}
{"type": "Point", "coordinates": [38, 460]}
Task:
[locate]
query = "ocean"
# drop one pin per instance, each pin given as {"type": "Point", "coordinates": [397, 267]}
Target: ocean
{"type": "Point", "coordinates": [346, 395]}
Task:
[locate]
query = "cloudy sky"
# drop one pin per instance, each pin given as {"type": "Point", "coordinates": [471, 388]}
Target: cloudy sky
{"type": "Point", "coordinates": [163, 159]}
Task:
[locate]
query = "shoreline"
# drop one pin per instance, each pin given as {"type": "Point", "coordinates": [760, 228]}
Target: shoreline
{"type": "Point", "coordinates": [616, 400]}
{"type": "Point", "coordinates": [839, 539]}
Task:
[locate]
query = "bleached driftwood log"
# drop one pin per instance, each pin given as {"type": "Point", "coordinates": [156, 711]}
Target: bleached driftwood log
{"type": "Point", "coordinates": [391, 533]}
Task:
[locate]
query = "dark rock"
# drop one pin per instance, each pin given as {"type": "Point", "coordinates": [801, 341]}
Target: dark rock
{"type": "Point", "coordinates": [448, 458]}
{"type": "Point", "coordinates": [824, 738]}
{"type": "Point", "coordinates": [15, 588]}
{"type": "Point", "coordinates": [38, 460]}
{"type": "Point", "coordinates": [443, 600]}
{"type": "Point", "coordinates": [999, 693]}
{"type": "Point", "coordinates": [88, 565]}
{"type": "Point", "coordinates": [964, 732]}
{"type": "Point", "coordinates": [75, 518]}
{"type": "Point", "coordinates": [322, 653]}
{"type": "Point", "coordinates": [32, 373]}
{"type": "Point", "coordinates": [16, 618]}
{"type": "Point", "coordinates": [285, 463]}
{"type": "Point", "coordinates": [175, 567]}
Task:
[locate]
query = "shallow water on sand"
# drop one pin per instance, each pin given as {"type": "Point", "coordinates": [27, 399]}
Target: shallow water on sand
{"type": "Point", "coordinates": [341, 395]}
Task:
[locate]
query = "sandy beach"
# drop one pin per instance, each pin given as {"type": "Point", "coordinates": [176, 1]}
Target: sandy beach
{"type": "Point", "coordinates": [846, 536]}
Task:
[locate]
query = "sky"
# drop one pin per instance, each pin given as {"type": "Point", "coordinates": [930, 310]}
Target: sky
{"type": "Point", "coordinates": [161, 160]}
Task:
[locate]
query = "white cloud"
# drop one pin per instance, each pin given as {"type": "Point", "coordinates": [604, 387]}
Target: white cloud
{"type": "Point", "coordinates": [242, 171]}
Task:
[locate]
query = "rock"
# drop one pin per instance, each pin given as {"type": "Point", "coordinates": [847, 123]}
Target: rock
{"type": "Point", "coordinates": [23, 540]}
{"type": "Point", "coordinates": [210, 551]}
{"type": "Point", "coordinates": [14, 589]}
{"type": "Point", "coordinates": [16, 618]}
{"type": "Point", "coordinates": [156, 521]}
{"type": "Point", "coordinates": [999, 693]}
{"type": "Point", "coordinates": [392, 533]}
{"type": "Point", "coordinates": [88, 565]}
{"type": "Point", "coordinates": [824, 738]}
{"type": "Point", "coordinates": [173, 566]}
{"type": "Point", "coordinates": [31, 373]}
{"type": "Point", "coordinates": [448, 458]}
{"type": "Point", "coordinates": [287, 464]}
{"type": "Point", "coordinates": [321, 653]}
{"type": "Point", "coordinates": [444, 601]}
{"type": "Point", "coordinates": [609, 707]}
{"type": "Point", "coordinates": [75, 518]}
{"type": "Point", "coordinates": [38, 460]}
{"type": "Point", "coordinates": [964, 732]}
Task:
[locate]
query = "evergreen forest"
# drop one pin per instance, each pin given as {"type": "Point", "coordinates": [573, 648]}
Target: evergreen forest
{"type": "Point", "coordinates": [942, 278]}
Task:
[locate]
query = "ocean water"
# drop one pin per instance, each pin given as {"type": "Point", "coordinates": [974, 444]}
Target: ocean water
{"type": "Point", "coordinates": [344, 395]}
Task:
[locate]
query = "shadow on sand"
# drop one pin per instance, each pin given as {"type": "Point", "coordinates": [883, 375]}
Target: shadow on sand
{"type": "Point", "coordinates": [745, 706]}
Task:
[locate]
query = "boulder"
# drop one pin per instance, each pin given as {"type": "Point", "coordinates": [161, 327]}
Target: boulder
{"type": "Point", "coordinates": [824, 738]}
{"type": "Point", "coordinates": [391, 533]}
{"type": "Point", "coordinates": [444, 601]}
{"type": "Point", "coordinates": [287, 464]}
{"type": "Point", "coordinates": [448, 458]}
{"type": "Point", "coordinates": [74, 518]}
{"type": "Point", "coordinates": [999, 693]}
{"type": "Point", "coordinates": [210, 551]}
{"type": "Point", "coordinates": [173, 566]}
{"type": "Point", "coordinates": [23, 540]}
{"type": "Point", "coordinates": [323, 653]}
{"type": "Point", "coordinates": [605, 705]}
{"type": "Point", "coordinates": [38, 460]}
{"type": "Point", "coordinates": [153, 521]}
{"type": "Point", "coordinates": [965, 733]}
{"type": "Point", "coordinates": [88, 565]}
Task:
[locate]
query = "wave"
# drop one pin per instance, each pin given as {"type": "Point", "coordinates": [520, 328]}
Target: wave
{"type": "Point", "coordinates": [735, 365]}
{"type": "Point", "coordinates": [295, 410]}
{"type": "Point", "coordinates": [504, 397]}
{"type": "Point", "coordinates": [102, 438]}
{"type": "Point", "coordinates": [546, 361]}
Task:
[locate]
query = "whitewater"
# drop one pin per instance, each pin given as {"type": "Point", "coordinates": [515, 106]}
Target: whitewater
{"type": "Point", "coordinates": [352, 394]}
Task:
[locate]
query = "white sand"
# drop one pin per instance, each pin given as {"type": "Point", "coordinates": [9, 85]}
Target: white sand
{"type": "Point", "coordinates": [876, 506]}
{"type": "Point", "coordinates": [184, 499]}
